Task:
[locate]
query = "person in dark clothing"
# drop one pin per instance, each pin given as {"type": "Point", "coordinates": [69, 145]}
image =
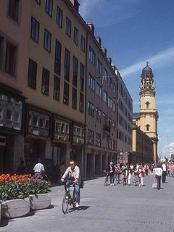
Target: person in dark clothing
{"type": "Point", "coordinates": [111, 172]}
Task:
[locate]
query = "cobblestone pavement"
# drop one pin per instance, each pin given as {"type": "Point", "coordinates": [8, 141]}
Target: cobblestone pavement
{"type": "Point", "coordinates": [112, 208]}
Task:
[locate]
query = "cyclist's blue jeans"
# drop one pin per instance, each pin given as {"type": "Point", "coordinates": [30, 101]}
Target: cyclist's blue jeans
{"type": "Point", "coordinates": [76, 189]}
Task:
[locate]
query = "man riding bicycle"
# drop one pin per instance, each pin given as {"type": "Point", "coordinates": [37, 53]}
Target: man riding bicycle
{"type": "Point", "coordinates": [72, 176]}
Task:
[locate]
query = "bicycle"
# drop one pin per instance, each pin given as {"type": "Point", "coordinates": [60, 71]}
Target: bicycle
{"type": "Point", "coordinates": [69, 199]}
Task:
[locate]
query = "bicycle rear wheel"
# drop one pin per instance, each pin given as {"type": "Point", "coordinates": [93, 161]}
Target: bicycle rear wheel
{"type": "Point", "coordinates": [65, 204]}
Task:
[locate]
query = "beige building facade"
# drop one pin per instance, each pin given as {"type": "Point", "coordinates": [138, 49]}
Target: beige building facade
{"type": "Point", "coordinates": [148, 116]}
{"type": "Point", "coordinates": [61, 97]}
{"type": "Point", "coordinates": [142, 145]}
{"type": "Point", "coordinates": [43, 63]}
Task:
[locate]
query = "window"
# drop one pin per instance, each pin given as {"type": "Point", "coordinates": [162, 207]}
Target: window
{"type": "Point", "coordinates": [98, 89]}
{"type": "Point", "coordinates": [1, 115]}
{"type": "Point", "coordinates": [56, 91]}
{"type": "Point", "coordinates": [34, 29]}
{"type": "Point", "coordinates": [110, 82]}
{"type": "Point", "coordinates": [99, 66]}
{"type": "Point", "coordinates": [57, 60]}
{"type": "Point", "coordinates": [10, 59]}
{"type": "Point", "coordinates": [45, 81]}
{"type": "Point", "coordinates": [81, 103]}
{"type": "Point", "coordinates": [147, 105]}
{"type": "Point", "coordinates": [91, 109]}
{"type": "Point", "coordinates": [91, 82]}
{"type": "Point", "coordinates": [114, 89]}
{"type": "Point", "coordinates": [66, 93]}
{"type": "Point", "coordinates": [13, 9]}
{"type": "Point", "coordinates": [105, 96]}
{"type": "Point", "coordinates": [59, 17]}
{"type": "Point", "coordinates": [32, 74]}
{"type": "Point", "coordinates": [47, 40]}
{"type": "Point", "coordinates": [49, 7]}
{"type": "Point", "coordinates": [9, 114]}
{"type": "Point", "coordinates": [83, 44]}
{"type": "Point", "coordinates": [98, 115]}
{"type": "Point", "coordinates": [110, 102]}
{"type": "Point", "coordinates": [75, 71]}
{"type": "Point", "coordinates": [147, 127]}
{"type": "Point", "coordinates": [98, 139]}
{"type": "Point", "coordinates": [105, 76]}
{"type": "Point", "coordinates": [74, 98]}
{"type": "Point", "coordinates": [39, 124]}
{"type": "Point", "coordinates": [68, 27]}
{"type": "Point", "coordinates": [76, 36]}
{"type": "Point", "coordinates": [38, 2]}
{"type": "Point", "coordinates": [90, 137]}
{"type": "Point", "coordinates": [92, 56]}
{"type": "Point", "coordinates": [82, 77]}
{"type": "Point", "coordinates": [66, 65]}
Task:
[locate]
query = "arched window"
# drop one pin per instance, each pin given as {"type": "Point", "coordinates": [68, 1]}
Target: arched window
{"type": "Point", "coordinates": [147, 105]}
{"type": "Point", "coordinates": [147, 127]}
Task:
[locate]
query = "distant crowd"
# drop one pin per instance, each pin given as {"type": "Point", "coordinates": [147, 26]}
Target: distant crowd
{"type": "Point", "coordinates": [131, 174]}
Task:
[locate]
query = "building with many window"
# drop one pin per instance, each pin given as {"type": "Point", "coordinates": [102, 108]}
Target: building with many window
{"type": "Point", "coordinates": [44, 66]}
{"type": "Point", "coordinates": [60, 95]}
{"type": "Point", "coordinates": [109, 109]}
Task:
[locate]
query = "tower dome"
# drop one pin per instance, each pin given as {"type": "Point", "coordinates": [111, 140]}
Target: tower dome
{"type": "Point", "coordinates": [147, 81]}
{"type": "Point", "coordinates": [147, 71]}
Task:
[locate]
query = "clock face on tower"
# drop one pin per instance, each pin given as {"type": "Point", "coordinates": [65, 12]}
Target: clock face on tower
{"type": "Point", "coordinates": [147, 98]}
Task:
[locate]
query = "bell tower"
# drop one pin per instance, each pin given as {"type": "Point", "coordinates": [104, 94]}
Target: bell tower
{"type": "Point", "coordinates": [148, 112]}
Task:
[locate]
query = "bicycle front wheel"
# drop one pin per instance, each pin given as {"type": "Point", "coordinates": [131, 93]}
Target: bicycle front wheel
{"type": "Point", "coordinates": [65, 204]}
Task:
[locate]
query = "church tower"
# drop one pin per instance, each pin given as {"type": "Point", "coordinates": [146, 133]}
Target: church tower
{"type": "Point", "coordinates": [148, 113]}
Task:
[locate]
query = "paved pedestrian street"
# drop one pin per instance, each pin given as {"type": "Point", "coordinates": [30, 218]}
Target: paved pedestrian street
{"type": "Point", "coordinates": [112, 208]}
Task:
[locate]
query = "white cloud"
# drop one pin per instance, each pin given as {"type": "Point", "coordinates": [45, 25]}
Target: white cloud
{"type": "Point", "coordinates": [87, 5]}
{"type": "Point", "coordinates": [159, 59]}
{"type": "Point", "coordinates": [108, 12]}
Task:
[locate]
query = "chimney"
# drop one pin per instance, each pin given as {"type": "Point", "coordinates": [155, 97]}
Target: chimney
{"type": "Point", "coordinates": [76, 4]}
{"type": "Point", "coordinates": [110, 60]}
{"type": "Point", "coordinates": [98, 38]}
{"type": "Point", "coordinates": [91, 27]}
{"type": "Point", "coordinates": [104, 51]}
{"type": "Point", "coordinates": [113, 67]}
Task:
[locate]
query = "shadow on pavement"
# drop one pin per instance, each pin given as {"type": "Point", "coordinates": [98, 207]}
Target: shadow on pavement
{"type": "Point", "coordinates": [79, 209]}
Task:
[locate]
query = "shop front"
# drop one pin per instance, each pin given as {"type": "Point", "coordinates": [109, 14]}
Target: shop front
{"type": "Point", "coordinates": [37, 139]}
{"type": "Point", "coordinates": [11, 130]}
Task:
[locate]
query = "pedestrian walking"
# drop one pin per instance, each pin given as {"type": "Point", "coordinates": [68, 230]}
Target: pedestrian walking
{"type": "Point", "coordinates": [141, 172]}
{"type": "Point", "coordinates": [130, 171]}
{"type": "Point", "coordinates": [164, 174]}
{"type": "Point", "coordinates": [111, 171]}
{"type": "Point", "coordinates": [158, 173]}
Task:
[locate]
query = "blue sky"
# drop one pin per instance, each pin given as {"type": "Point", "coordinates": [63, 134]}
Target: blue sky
{"type": "Point", "coordinates": [135, 31]}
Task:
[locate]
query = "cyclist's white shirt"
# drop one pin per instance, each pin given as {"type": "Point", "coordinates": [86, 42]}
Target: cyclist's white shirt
{"type": "Point", "coordinates": [75, 173]}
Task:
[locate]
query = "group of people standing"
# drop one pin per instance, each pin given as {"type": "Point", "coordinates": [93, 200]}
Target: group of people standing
{"type": "Point", "coordinates": [127, 173]}
{"type": "Point", "coordinates": [130, 174]}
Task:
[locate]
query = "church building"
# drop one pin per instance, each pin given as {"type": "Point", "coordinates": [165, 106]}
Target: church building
{"type": "Point", "coordinates": [146, 120]}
